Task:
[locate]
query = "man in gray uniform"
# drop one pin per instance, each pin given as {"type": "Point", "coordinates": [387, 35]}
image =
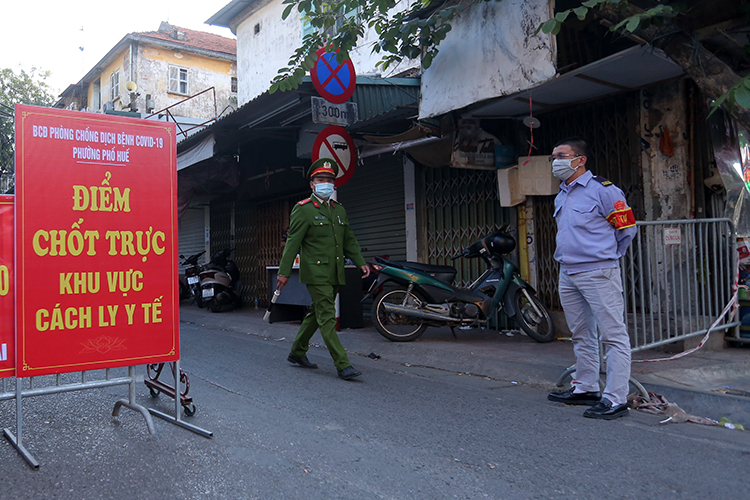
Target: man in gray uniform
{"type": "Point", "coordinates": [595, 226]}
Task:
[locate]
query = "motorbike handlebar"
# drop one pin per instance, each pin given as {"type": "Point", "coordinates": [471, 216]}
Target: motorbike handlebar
{"type": "Point", "coordinates": [463, 253]}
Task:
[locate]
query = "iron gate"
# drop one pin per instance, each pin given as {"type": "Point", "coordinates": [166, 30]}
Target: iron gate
{"type": "Point", "coordinates": [610, 126]}
{"type": "Point", "coordinates": [457, 207]}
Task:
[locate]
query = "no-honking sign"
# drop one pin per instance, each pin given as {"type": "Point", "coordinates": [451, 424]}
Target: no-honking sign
{"type": "Point", "coordinates": [335, 142]}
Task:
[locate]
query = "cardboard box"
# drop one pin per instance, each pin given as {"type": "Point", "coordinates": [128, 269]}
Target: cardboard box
{"type": "Point", "coordinates": [508, 191]}
{"type": "Point", "coordinates": [535, 178]}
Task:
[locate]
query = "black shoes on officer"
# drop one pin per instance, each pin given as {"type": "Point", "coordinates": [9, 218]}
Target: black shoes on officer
{"type": "Point", "coordinates": [570, 398]}
{"type": "Point", "coordinates": [605, 410]}
{"type": "Point", "coordinates": [303, 361]}
{"type": "Point", "coordinates": [349, 373]}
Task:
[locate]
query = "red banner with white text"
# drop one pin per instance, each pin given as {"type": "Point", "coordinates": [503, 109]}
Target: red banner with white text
{"type": "Point", "coordinates": [7, 334]}
{"type": "Point", "coordinates": [96, 241]}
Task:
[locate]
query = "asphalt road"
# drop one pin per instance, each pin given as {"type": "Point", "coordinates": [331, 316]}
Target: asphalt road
{"type": "Point", "coordinates": [399, 432]}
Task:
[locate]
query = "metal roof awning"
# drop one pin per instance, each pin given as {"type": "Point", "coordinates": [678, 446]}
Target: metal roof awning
{"type": "Point", "coordinates": [631, 69]}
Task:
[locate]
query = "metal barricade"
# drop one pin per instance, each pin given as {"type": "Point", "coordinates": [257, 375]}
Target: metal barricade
{"type": "Point", "coordinates": [678, 276]}
{"type": "Point", "coordinates": [68, 382]}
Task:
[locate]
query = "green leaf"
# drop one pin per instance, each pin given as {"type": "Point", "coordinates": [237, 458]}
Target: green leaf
{"type": "Point", "coordinates": [562, 16]}
{"type": "Point", "coordinates": [747, 81]}
{"type": "Point", "coordinates": [742, 96]}
{"type": "Point", "coordinates": [556, 29]}
{"type": "Point", "coordinates": [549, 25]}
{"type": "Point", "coordinates": [274, 88]}
{"type": "Point", "coordinates": [427, 60]}
{"type": "Point", "coordinates": [581, 12]}
{"type": "Point", "coordinates": [633, 23]}
{"type": "Point", "coordinates": [590, 3]}
{"type": "Point", "coordinates": [287, 11]}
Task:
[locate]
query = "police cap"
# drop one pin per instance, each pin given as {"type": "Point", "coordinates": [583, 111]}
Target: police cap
{"type": "Point", "coordinates": [323, 167]}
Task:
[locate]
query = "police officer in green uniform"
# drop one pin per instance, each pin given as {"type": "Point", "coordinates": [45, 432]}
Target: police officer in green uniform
{"type": "Point", "coordinates": [319, 231]}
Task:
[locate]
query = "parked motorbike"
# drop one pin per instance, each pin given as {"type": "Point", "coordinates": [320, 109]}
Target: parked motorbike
{"type": "Point", "coordinates": [417, 295]}
{"type": "Point", "coordinates": [218, 282]}
{"type": "Point", "coordinates": [190, 288]}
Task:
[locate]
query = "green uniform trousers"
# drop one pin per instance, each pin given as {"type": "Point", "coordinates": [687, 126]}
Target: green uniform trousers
{"type": "Point", "coordinates": [322, 314]}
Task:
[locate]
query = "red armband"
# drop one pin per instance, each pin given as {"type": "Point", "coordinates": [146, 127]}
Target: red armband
{"type": "Point", "coordinates": [621, 219]}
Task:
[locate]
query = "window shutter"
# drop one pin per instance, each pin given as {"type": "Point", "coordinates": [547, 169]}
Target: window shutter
{"type": "Point", "coordinates": [174, 79]}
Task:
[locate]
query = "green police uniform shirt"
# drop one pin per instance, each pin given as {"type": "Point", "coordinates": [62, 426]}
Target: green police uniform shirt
{"type": "Point", "coordinates": [323, 238]}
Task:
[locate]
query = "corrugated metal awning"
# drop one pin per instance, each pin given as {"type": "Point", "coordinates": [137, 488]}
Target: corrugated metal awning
{"type": "Point", "coordinates": [631, 69]}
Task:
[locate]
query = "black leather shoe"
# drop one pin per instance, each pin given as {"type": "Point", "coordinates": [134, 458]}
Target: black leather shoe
{"type": "Point", "coordinates": [605, 410]}
{"type": "Point", "coordinates": [349, 373]}
{"type": "Point", "coordinates": [569, 398]}
{"type": "Point", "coordinates": [303, 362]}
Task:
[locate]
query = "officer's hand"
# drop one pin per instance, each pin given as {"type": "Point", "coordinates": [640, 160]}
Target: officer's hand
{"type": "Point", "coordinates": [281, 282]}
{"type": "Point", "coordinates": [365, 271]}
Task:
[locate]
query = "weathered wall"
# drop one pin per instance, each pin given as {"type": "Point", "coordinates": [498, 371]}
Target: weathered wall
{"type": "Point", "coordinates": [117, 64]}
{"type": "Point", "coordinates": [151, 74]}
{"type": "Point", "coordinates": [261, 55]}
{"type": "Point", "coordinates": [152, 77]}
{"type": "Point", "coordinates": [490, 52]}
{"type": "Point", "coordinates": [665, 178]}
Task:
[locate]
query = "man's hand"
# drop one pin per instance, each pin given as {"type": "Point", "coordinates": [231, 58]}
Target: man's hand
{"type": "Point", "coordinates": [365, 271]}
{"type": "Point", "coordinates": [281, 281]}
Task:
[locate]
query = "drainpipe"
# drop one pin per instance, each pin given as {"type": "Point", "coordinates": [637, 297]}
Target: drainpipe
{"type": "Point", "coordinates": [130, 56]}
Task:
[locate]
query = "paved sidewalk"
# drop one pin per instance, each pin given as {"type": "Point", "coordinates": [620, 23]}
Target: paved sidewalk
{"type": "Point", "coordinates": [712, 384]}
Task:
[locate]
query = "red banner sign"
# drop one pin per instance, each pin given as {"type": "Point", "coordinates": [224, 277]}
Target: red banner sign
{"type": "Point", "coordinates": [7, 335]}
{"type": "Point", "coordinates": [96, 241]}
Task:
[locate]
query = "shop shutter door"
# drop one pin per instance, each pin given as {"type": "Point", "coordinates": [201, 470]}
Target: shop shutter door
{"type": "Point", "coordinates": [374, 202]}
{"type": "Point", "coordinates": [192, 233]}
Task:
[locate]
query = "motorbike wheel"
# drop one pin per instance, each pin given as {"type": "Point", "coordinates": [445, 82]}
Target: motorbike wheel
{"type": "Point", "coordinates": [184, 291]}
{"type": "Point", "coordinates": [214, 305]}
{"type": "Point", "coordinates": [395, 327]}
{"type": "Point", "coordinates": [539, 328]}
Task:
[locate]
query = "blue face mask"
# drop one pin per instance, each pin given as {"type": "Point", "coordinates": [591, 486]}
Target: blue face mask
{"type": "Point", "coordinates": [324, 190]}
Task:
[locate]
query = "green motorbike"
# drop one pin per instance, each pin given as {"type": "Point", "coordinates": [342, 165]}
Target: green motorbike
{"type": "Point", "coordinates": [415, 296]}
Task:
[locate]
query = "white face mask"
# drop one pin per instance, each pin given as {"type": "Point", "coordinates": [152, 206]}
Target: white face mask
{"type": "Point", "coordinates": [562, 169]}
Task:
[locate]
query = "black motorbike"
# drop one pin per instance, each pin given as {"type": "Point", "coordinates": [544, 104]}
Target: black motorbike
{"type": "Point", "coordinates": [219, 280]}
{"type": "Point", "coordinates": [190, 288]}
{"type": "Point", "coordinates": [416, 295]}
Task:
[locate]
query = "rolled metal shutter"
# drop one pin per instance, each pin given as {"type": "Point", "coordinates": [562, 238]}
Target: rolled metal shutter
{"type": "Point", "coordinates": [374, 202]}
{"type": "Point", "coordinates": [192, 234]}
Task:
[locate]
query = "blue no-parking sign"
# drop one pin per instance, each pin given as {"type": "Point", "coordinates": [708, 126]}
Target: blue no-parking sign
{"type": "Point", "coordinates": [333, 81]}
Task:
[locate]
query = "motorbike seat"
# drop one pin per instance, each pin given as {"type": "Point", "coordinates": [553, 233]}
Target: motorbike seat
{"type": "Point", "coordinates": [446, 274]}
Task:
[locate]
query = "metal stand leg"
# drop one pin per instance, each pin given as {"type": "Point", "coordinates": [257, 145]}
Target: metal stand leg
{"type": "Point", "coordinates": [18, 442]}
{"type": "Point", "coordinates": [130, 403]}
{"type": "Point", "coordinates": [177, 407]}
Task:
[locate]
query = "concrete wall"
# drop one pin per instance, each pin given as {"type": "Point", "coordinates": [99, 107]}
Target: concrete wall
{"type": "Point", "coordinates": [667, 193]}
{"type": "Point", "coordinates": [490, 52]}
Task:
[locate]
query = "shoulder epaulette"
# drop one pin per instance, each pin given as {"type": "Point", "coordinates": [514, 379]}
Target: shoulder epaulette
{"type": "Point", "coordinates": [336, 202]}
{"type": "Point", "coordinates": [302, 202]}
{"type": "Point", "coordinates": [602, 181]}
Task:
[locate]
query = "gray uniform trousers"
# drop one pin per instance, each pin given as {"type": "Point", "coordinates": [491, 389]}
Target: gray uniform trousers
{"type": "Point", "coordinates": [589, 298]}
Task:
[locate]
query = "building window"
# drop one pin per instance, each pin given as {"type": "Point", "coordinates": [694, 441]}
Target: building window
{"type": "Point", "coordinates": [234, 84]}
{"type": "Point", "coordinates": [178, 80]}
{"type": "Point", "coordinates": [114, 86]}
